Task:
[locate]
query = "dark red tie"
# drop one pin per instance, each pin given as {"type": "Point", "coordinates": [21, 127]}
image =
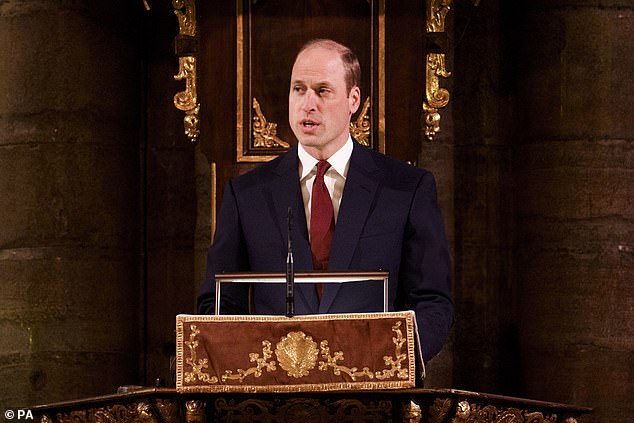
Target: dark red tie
{"type": "Point", "coordinates": [322, 221]}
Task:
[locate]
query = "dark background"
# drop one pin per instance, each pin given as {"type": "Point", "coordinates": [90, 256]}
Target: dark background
{"type": "Point", "coordinates": [104, 203]}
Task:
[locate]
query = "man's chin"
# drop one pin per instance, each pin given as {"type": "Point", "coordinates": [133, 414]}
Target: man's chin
{"type": "Point", "coordinates": [308, 141]}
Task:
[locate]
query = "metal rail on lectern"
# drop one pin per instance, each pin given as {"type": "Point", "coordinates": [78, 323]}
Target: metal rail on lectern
{"type": "Point", "coordinates": [303, 277]}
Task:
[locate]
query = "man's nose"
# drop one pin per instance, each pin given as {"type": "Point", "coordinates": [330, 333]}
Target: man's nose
{"type": "Point", "coordinates": [309, 101]}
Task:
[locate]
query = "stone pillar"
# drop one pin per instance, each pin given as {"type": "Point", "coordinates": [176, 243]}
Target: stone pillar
{"type": "Point", "coordinates": [574, 193]}
{"type": "Point", "coordinates": [70, 119]}
{"type": "Point", "coordinates": [483, 175]}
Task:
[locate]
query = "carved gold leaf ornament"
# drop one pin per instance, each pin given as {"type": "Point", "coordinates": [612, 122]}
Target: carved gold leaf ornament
{"type": "Point", "coordinates": [466, 412]}
{"type": "Point", "coordinates": [195, 411]}
{"type": "Point", "coordinates": [185, 11]}
{"type": "Point", "coordinates": [435, 97]}
{"type": "Point", "coordinates": [439, 409]}
{"type": "Point", "coordinates": [264, 132]}
{"type": "Point", "coordinates": [412, 413]}
{"type": "Point", "coordinates": [187, 101]}
{"type": "Point", "coordinates": [360, 129]}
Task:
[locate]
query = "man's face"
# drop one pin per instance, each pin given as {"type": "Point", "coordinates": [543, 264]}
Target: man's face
{"type": "Point", "coordinates": [319, 105]}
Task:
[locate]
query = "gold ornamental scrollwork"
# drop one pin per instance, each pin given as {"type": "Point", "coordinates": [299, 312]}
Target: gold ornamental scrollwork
{"type": "Point", "coordinates": [466, 413]}
{"type": "Point", "coordinates": [396, 362]}
{"type": "Point", "coordinates": [197, 366]}
{"type": "Point", "coordinates": [439, 409]}
{"type": "Point", "coordinates": [360, 129]}
{"type": "Point", "coordinates": [435, 96]}
{"type": "Point", "coordinates": [261, 363]}
{"type": "Point", "coordinates": [265, 132]}
{"type": "Point", "coordinates": [331, 361]}
{"type": "Point", "coordinates": [187, 101]}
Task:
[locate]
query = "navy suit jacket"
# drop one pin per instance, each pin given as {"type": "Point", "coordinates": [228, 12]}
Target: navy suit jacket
{"type": "Point", "coordinates": [388, 220]}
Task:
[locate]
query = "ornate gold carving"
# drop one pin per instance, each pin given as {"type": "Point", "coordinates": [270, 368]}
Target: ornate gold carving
{"type": "Point", "coordinates": [142, 411]}
{"type": "Point", "coordinates": [303, 410]}
{"type": "Point", "coordinates": [186, 18]}
{"type": "Point", "coordinates": [111, 413]}
{"type": "Point", "coordinates": [463, 410]}
{"type": "Point", "coordinates": [168, 409]}
{"type": "Point", "coordinates": [187, 101]}
{"type": "Point", "coordinates": [436, 14]}
{"type": "Point", "coordinates": [439, 409]}
{"type": "Point", "coordinates": [194, 411]}
{"type": "Point", "coordinates": [197, 372]}
{"type": "Point", "coordinates": [337, 369]}
{"type": "Point", "coordinates": [297, 354]}
{"type": "Point", "coordinates": [396, 362]}
{"type": "Point", "coordinates": [264, 132]}
{"type": "Point", "coordinates": [257, 370]}
{"type": "Point", "coordinates": [435, 97]}
{"type": "Point", "coordinates": [412, 413]}
{"type": "Point", "coordinates": [468, 413]}
{"type": "Point", "coordinates": [360, 130]}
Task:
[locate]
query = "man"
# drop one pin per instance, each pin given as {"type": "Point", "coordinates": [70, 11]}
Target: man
{"type": "Point", "coordinates": [353, 208]}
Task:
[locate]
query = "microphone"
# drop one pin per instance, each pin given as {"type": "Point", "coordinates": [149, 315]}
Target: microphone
{"type": "Point", "coordinates": [290, 272]}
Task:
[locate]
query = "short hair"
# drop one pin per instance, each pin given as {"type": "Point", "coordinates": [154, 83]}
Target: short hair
{"type": "Point", "coordinates": [351, 65]}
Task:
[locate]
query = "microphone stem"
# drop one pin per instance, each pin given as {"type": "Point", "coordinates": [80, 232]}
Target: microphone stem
{"type": "Point", "coordinates": [290, 288]}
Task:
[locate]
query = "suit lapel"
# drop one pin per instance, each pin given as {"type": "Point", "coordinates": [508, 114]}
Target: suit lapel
{"type": "Point", "coordinates": [285, 192]}
{"type": "Point", "coordinates": [358, 195]}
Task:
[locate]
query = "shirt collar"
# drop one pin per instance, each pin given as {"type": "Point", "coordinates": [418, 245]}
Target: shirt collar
{"type": "Point", "coordinates": [340, 161]}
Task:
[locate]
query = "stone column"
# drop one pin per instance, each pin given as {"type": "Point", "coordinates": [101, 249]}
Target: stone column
{"type": "Point", "coordinates": [574, 196]}
{"type": "Point", "coordinates": [483, 216]}
{"type": "Point", "coordinates": [70, 119]}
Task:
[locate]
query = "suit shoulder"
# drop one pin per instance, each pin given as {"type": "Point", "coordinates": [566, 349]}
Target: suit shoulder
{"type": "Point", "coordinates": [262, 173]}
{"type": "Point", "coordinates": [396, 170]}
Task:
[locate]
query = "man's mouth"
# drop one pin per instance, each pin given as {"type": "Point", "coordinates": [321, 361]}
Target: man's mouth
{"type": "Point", "coordinates": [309, 123]}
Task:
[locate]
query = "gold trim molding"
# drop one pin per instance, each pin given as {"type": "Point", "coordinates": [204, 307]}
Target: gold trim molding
{"type": "Point", "coordinates": [187, 101]}
{"type": "Point", "coordinates": [360, 129]}
{"type": "Point", "coordinates": [435, 96]}
{"type": "Point", "coordinates": [297, 354]}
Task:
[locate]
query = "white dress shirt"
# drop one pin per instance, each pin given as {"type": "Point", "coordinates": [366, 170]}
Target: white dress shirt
{"type": "Point", "coordinates": [335, 176]}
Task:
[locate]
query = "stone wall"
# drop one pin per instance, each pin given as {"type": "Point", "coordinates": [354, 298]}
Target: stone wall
{"type": "Point", "coordinates": [70, 119]}
{"type": "Point", "coordinates": [574, 167]}
{"type": "Point", "coordinates": [544, 188]}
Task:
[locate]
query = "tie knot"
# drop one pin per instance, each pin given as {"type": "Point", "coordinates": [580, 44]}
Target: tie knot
{"type": "Point", "coordinates": [322, 167]}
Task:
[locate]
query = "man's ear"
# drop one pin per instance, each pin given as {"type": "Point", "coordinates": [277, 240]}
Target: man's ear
{"type": "Point", "coordinates": [354, 99]}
